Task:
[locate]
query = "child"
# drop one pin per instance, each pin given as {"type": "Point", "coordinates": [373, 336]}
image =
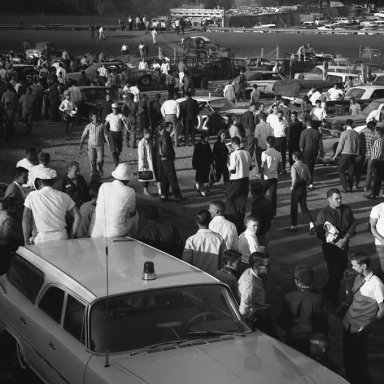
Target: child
{"type": "Point", "coordinates": [301, 177]}
{"type": "Point", "coordinates": [227, 274]}
{"type": "Point", "coordinates": [248, 242]}
{"type": "Point", "coordinates": [201, 161]}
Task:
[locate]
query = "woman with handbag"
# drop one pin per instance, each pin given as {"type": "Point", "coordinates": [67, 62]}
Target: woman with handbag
{"type": "Point", "coordinates": [146, 168]}
{"type": "Point", "coordinates": [68, 110]}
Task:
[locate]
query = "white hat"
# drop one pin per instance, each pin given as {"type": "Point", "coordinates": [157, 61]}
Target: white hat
{"type": "Point", "coordinates": [122, 172]}
{"type": "Point", "coordinates": [114, 105]}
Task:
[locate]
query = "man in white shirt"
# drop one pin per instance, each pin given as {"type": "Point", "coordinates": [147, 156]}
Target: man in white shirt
{"type": "Point", "coordinates": [134, 89]}
{"type": "Point", "coordinates": [375, 115]}
{"type": "Point", "coordinates": [164, 68]}
{"type": "Point", "coordinates": [205, 248]}
{"type": "Point", "coordinates": [47, 208]}
{"type": "Point", "coordinates": [171, 112]}
{"type": "Point", "coordinates": [115, 123]}
{"type": "Point", "coordinates": [240, 163]}
{"type": "Point", "coordinates": [335, 93]}
{"type": "Point", "coordinates": [115, 213]}
{"type": "Point", "coordinates": [271, 164]}
{"type": "Point", "coordinates": [124, 49]}
{"type": "Point", "coordinates": [219, 224]}
{"type": "Point", "coordinates": [154, 34]}
{"type": "Point", "coordinates": [314, 95]}
{"type": "Point", "coordinates": [61, 74]}
{"type": "Point", "coordinates": [103, 71]}
{"type": "Point", "coordinates": [229, 92]}
{"type": "Point", "coordinates": [376, 220]}
{"type": "Point", "coordinates": [279, 126]}
{"type": "Point", "coordinates": [367, 308]}
{"type": "Point", "coordinates": [143, 64]}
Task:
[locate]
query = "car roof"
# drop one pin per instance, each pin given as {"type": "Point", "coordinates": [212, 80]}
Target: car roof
{"type": "Point", "coordinates": [367, 87]}
{"type": "Point", "coordinates": [202, 98]}
{"type": "Point", "coordinates": [80, 265]}
{"type": "Point", "coordinates": [342, 74]}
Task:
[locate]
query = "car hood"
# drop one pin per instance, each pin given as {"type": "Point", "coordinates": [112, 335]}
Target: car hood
{"type": "Point", "coordinates": [255, 358]}
{"type": "Point", "coordinates": [342, 119]}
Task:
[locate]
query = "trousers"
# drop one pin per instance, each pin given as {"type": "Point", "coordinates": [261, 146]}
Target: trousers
{"type": "Point", "coordinates": [309, 158]}
{"type": "Point", "coordinates": [346, 169]}
{"type": "Point", "coordinates": [237, 196]}
{"type": "Point", "coordinates": [168, 178]}
{"type": "Point", "coordinates": [299, 196]}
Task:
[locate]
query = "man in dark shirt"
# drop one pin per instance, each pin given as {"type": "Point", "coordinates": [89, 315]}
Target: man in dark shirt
{"type": "Point", "coordinates": [247, 120]}
{"type": "Point", "coordinates": [158, 234]}
{"type": "Point", "coordinates": [335, 225]}
{"type": "Point", "coordinates": [155, 112]}
{"type": "Point", "coordinates": [106, 107]}
{"type": "Point", "coordinates": [189, 112]}
{"type": "Point", "coordinates": [311, 143]}
{"type": "Point", "coordinates": [303, 311]}
{"type": "Point", "coordinates": [166, 158]}
{"type": "Point", "coordinates": [129, 110]}
{"type": "Point", "coordinates": [293, 135]}
{"type": "Point", "coordinates": [74, 185]}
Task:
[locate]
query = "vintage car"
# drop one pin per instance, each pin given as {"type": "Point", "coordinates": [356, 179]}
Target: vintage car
{"type": "Point", "coordinates": [265, 81]}
{"type": "Point", "coordinates": [93, 98]}
{"type": "Point", "coordinates": [26, 72]}
{"type": "Point", "coordinates": [76, 316]}
{"type": "Point", "coordinates": [41, 48]}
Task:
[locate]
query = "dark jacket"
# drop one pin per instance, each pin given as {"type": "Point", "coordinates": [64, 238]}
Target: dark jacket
{"type": "Point", "coordinates": [165, 147]}
{"type": "Point", "coordinates": [78, 193]}
{"type": "Point", "coordinates": [262, 208]}
{"type": "Point", "coordinates": [220, 152]}
{"type": "Point", "coordinates": [14, 191]}
{"type": "Point", "coordinates": [155, 113]}
{"type": "Point", "coordinates": [294, 133]}
{"type": "Point", "coordinates": [247, 120]}
{"type": "Point", "coordinates": [190, 108]}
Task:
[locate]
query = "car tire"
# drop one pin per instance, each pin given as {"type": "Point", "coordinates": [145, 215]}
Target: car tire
{"type": "Point", "coordinates": [204, 82]}
{"type": "Point", "coordinates": [145, 81]}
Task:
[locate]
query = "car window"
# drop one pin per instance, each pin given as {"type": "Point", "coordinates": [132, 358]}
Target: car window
{"type": "Point", "coordinates": [334, 79]}
{"type": "Point", "coordinates": [357, 93]}
{"type": "Point", "coordinates": [377, 93]}
{"type": "Point", "coordinates": [52, 303]}
{"type": "Point", "coordinates": [25, 277]}
{"type": "Point", "coordinates": [372, 106]}
{"type": "Point", "coordinates": [74, 318]}
{"type": "Point", "coordinates": [220, 104]}
{"type": "Point", "coordinates": [136, 320]}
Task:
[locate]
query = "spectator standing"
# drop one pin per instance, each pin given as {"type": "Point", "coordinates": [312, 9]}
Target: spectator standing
{"type": "Point", "coordinates": [271, 164]}
{"type": "Point", "coordinates": [229, 92]}
{"type": "Point", "coordinates": [171, 112]}
{"type": "Point", "coordinates": [247, 120]}
{"type": "Point", "coordinates": [227, 274]}
{"type": "Point", "coordinates": [301, 177]}
{"type": "Point", "coordinates": [189, 112]}
{"type": "Point", "coordinates": [146, 159]}
{"type": "Point", "coordinates": [154, 36]}
{"type": "Point", "coordinates": [156, 233]}
{"type": "Point", "coordinates": [97, 135]}
{"type": "Point", "coordinates": [166, 159]}
{"type": "Point", "coordinates": [314, 95]}
{"type": "Point", "coordinates": [306, 108]}
{"type": "Point", "coordinates": [15, 189]}
{"type": "Point", "coordinates": [115, 123]}
{"type": "Point", "coordinates": [248, 243]}
{"type": "Point", "coordinates": [170, 82]}
{"type": "Point", "coordinates": [129, 111]}
{"type": "Point", "coordinates": [115, 213]}
{"type": "Point", "coordinates": [294, 130]}
{"type": "Point", "coordinates": [335, 93]}
{"type": "Point", "coordinates": [348, 147]}
{"type": "Point", "coordinates": [69, 111]}
{"type": "Point", "coordinates": [376, 220]}
{"type": "Point", "coordinates": [220, 157]}
{"type": "Point", "coordinates": [187, 84]}
{"type": "Point", "coordinates": [262, 131]}
{"type": "Point", "coordinates": [202, 159]}
{"type": "Point", "coordinates": [204, 249]}
{"type": "Point", "coordinates": [255, 95]}
{"type": "Point", "coordinates": [101, 32]}
{"type": "Point", "coordinates": [219, 224]}
{"type": "Point", "coordinates": [27, 103]}
{"type": "Point", "coordinates": [155, 112]}
{"type": "Point", "coordinates": [234, 130]}
{"type": "Point", "coordinates": [317, 114]}
{"type": "Point", "coordinates": [280, 126]}
{"type": "Point", "coordinates": [242, 85]}
{"type": "Point", "coordinates": [303, 311]}
{"type": "Point", "coordinates": [240, 164]}
{"type": "Point", "coordinates": [182, 68]}
{"type": "Point", "coordinates": [143, 117]}
{"type": "Point", "coordinates": [354, 108]}
{"type": "Point", "coordinates": [367, 307]}
{"type": "Point", "coordinates": [47, 208]}
{"type": "Point", "coordinates": [367, 138]}
{"type": "Point", "coordinates": [335, 225]}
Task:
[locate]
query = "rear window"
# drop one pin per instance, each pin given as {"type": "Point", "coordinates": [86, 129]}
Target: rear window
{"type": "Point", "coordinates": [25, 277]}
{"type": "Point", "coordinates": [334, 79]}
{"type": "Point", "coordinates": [357, 93]}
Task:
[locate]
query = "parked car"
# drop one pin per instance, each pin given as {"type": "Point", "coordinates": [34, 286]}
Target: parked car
{"type": "Point", "coordinates": [26, 72]}
{"type": "Point", "coordinates": [265, 81]}
{"type": "Point", "coordinates": [159, 320]}
{"type": "Point", "coordinates": [365, 92]}
{"type": "Point", "coordinates": [41, 48]}
{"type": "Point", "coordinates": [259, 64]}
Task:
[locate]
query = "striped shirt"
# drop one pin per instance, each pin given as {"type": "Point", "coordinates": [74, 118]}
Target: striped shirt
{"type": "Point", "coordinates": [367, 138]}
{"type": "Point", "coordinates": [95, 133]}
{"type": "Point", "coordinates": [377, 149]}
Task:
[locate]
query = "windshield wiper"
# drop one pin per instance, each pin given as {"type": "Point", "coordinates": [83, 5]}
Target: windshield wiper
{"type": "Point", "coordinates": [159, 345]}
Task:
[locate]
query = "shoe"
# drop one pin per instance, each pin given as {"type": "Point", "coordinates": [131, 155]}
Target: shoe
{"type": "Point", "coordinates": [312, 231]}
{"type": "Point", "coordinates": [310, 187]}
{"type": "Point", "coordinates": [202, 193]}
{"type": "Point", "coordinates": [146, 193]}
{"type": "Point", "coordinates": [164, 198]}
{"type": "Point", "coordinates": [197, 187]}
{"type": "Point", "coordinates": [370, 197]}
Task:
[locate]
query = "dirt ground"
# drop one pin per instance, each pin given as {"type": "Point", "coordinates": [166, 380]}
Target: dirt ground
{"type": "Point", "coordinates": [287, 250]}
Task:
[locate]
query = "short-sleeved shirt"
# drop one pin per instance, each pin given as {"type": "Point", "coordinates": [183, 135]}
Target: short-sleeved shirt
{"type": "Point", "coordinates": [49, 207]}
{"type": "Point", "coordinates": [272, 159]}
{"type": "Point", "coordinates": [115, 122]}
{"type": "Point", "coordinates": [377, 212]}
{"type": "Point", "coordinates": [248, 244]}
{"type": "Point", "coordinates": [240, 161]}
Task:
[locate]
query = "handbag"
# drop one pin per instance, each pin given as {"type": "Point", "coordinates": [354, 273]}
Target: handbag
{"type": "Point", "coordinates": [343, 307]}
{"type": "Point", "coordinates": [145, 176]}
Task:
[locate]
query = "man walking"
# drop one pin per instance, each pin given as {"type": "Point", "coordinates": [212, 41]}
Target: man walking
{"type": "Point", "coordinates": [190, 112]}
{"type": "Point", "coordinates": [279, 126]}
{"type": "Point", "coordinates": [348, 147]}
{"type": "Point", "coordinates": [240, 163]}
{"type": "Point", "coordinates": [204, 249]}
{"type": "Point", "coordinates": [293, 135]}
{"type": "Point", "coordinates": [367, 138]}
{"type": "Point", "coordinates": [335, 225]}
{"type": "Point", "coordinates": [171, 112]}
{"type": "Point", "coordinates": [247, 120]}
{"type": "Point", "coordinates": [129, 111]}
{"type": "Point", "coordinates": [367, 307]}
{"type": "Point", "coordinates": [311, 143]}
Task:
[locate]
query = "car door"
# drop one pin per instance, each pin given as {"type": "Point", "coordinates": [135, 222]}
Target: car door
{"type": "Point", "coordinates": [67, 345]}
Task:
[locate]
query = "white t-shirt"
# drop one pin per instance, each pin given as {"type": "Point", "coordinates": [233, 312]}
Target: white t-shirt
{"type": "Point", "coordinates": [315, 96]}
{"type": "Point", "coordinates": [227, 230]}
{"type": "Point", "coordinates": [272, 159]}
{"type": "Point", "coordinates": [239, 161]}
{"type": "Point", "coordinates": [136, 93]}
{"type": "Point", "coordinates": [49, 207]}
{"type": "Point", "coordinates": [115, 122]}
{"type": "Point", "coordinates": [335, 94]}
{"type": "Point", "coordinates": [377, 212]}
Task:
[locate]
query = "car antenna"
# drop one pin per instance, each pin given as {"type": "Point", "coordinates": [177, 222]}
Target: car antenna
{"type": "Point", "coordinates": [106, 365]}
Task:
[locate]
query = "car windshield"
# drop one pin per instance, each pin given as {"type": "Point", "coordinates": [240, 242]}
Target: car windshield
{"type": "Point", "coordinates": [138, 320]}
{"type": "Point", "coordinates": [372, 106]}
{"type": "Point", "coordinates": [98, 94]}
{"type": "Point", "coordinates": [357, 93]}
{"type": "Point", "coordinates": [221, 104]}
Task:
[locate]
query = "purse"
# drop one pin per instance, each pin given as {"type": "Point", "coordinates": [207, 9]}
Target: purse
{"type": "Point", "coordinates": [145, 176]}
